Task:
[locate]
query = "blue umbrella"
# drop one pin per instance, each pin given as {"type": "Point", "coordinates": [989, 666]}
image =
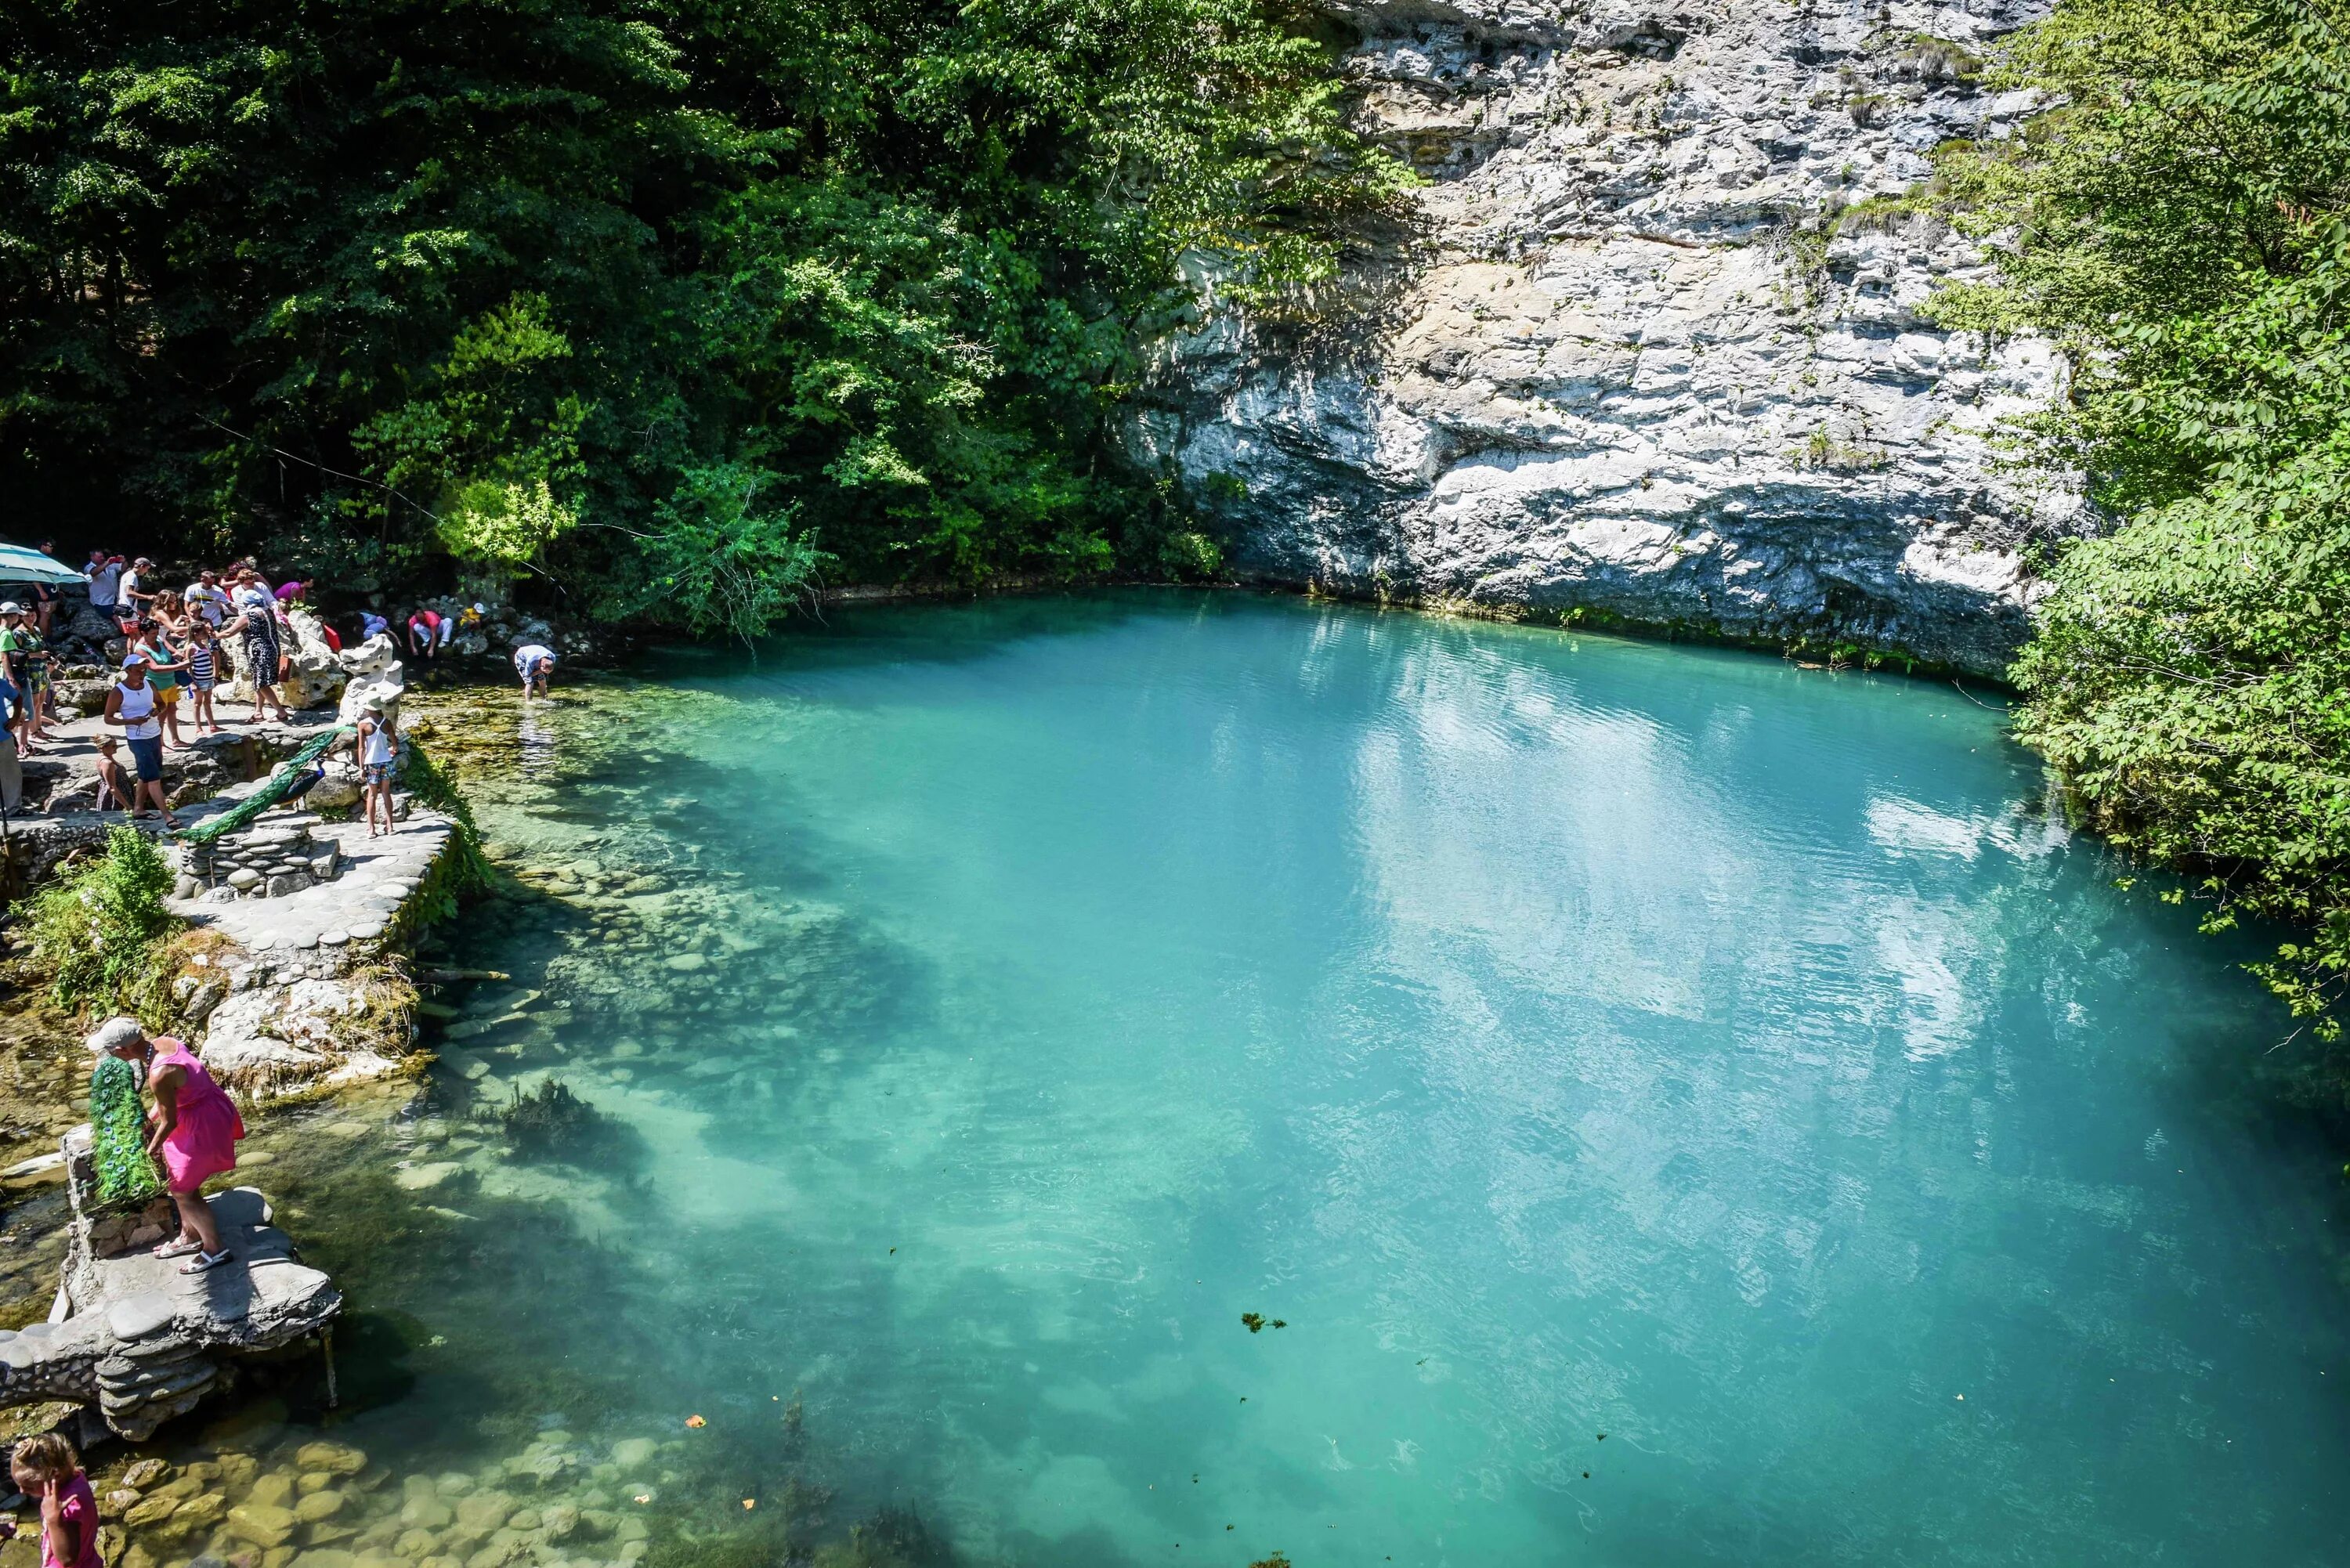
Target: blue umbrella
{"type": "Point", "coordinates": [18, 565]}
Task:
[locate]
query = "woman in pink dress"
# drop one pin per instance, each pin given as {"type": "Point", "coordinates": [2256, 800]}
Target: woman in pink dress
{"type": "Point", "coordinates": [195, 1130]}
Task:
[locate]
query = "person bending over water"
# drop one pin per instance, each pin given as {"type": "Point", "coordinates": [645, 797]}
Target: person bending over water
{"type": "Point", "coordinates": [535, 662]}
{"type": "Point", "coordinates": [194, 1131]}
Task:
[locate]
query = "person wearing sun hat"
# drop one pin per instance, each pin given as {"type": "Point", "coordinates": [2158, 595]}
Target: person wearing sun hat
{"type": "Point", "coordinates": [132, 707]}
{"type": "Point", "coordinates": [377, 744]}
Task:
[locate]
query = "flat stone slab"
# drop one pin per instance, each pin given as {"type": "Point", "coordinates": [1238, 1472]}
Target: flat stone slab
{"type": "Point", "coordinates": [137, 1316]}
{"type": "Point", "coordinates": [379, 875]}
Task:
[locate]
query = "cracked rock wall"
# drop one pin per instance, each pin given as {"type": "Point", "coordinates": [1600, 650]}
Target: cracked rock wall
{"type": "Point", "coordinates": [1652, 345]}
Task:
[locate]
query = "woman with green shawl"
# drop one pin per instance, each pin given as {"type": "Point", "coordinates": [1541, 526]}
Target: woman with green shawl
{"type": "Point", "coordinates": [117, 1135]}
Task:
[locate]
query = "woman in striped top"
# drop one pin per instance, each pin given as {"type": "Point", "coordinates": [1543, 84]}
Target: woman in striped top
{"type": "Point", "coordinates": [204, 673]}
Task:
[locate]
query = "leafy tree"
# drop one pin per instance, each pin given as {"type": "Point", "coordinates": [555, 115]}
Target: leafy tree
{"type": "Point", "coordinates": [365, 283]}
{"type": "Point", "coordinates": [2178, 221]}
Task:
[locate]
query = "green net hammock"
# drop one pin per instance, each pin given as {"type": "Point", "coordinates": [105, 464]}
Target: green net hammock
{"type": "Point", "coordinates": [118, 1133]}
{"type": "Point", "coordinates": [280, 783]}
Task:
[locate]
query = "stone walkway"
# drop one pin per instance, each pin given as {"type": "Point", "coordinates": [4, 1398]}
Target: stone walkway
{"type": "Point", "coordinates": [377, 878]}
{"type": "Point", "coordinates": [210, 760]}
{"type": "Point", "coordinates": [297, 1000]}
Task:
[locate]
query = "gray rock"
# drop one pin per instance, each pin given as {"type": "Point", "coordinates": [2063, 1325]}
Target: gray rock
{"type": "Point", "coordinates": [138, 1316]}
{"type": "Point", "coordinates": [283, 884]}
{"type": "Point", "coordinates": [245, 880]}
{"type": "Point", "coordinates": [425, 1176]}
{"type": "Point", "coordinates": [1634, 361]}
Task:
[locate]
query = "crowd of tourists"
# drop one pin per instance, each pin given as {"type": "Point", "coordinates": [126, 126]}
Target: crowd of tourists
{"type": "Point", "coordinates": [175, 645]}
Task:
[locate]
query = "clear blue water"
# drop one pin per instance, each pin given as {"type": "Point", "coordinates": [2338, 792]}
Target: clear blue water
{"type": "Point", "coordinates": [1560, 1035]}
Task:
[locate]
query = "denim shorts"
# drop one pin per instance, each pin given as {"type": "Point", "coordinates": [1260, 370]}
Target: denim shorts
{"type": "Point", "coordinates": [147, 750]}
{"type": "Point", "coordinates": [376, 773]}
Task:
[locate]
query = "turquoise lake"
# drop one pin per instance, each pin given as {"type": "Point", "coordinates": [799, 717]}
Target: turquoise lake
{"type": "Point", "coordinates": [1548, 1035]}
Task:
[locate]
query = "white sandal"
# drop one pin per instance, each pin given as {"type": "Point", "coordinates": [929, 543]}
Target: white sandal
{"type": "Point", "coordinates": [203, 1261]}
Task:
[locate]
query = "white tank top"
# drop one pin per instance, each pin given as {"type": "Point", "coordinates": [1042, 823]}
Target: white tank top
{"type": "Point", "coordinates": [137, 708]}
{"type": "Point", "coordinates": [379, 744]}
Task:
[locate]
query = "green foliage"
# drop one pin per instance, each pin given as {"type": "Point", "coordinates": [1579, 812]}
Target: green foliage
{"type": "Point", "coordinates": [630, 296]}
{"type": "Point", "coordinates": [1191, 556]}
{"type": "Point", "coordinates": [469, 868]}
{"type": "Point", "coordinates": [2178, 222]}
{"type": "Point", "coordinates": [125, 1170]}
{"type": "Point", "coordinates": [727, 564]}
{"type": "Point", "coordinates": [96, 929]}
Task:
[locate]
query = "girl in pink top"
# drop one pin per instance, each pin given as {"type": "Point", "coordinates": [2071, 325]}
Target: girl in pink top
{"type": "Point", "coordinates": [195, 1129]}
{"type": "Point", "coordinates": [47, 1468]}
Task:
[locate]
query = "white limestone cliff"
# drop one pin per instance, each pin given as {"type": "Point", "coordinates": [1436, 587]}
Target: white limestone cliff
{"type": "Point", "coordinates": [1647, 349]}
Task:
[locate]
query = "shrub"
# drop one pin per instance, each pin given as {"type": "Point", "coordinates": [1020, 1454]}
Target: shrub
{"type": "Point", "coordinates": [96, 929]}
{"type": "Point", "coordinates": [1191, 556]}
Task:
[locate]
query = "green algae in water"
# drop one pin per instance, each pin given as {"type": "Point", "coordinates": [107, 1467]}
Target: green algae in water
{"type": "Point", "coordinates": [1582, 1036]}
{"type": "Point", "coordinates": [552, 1122]}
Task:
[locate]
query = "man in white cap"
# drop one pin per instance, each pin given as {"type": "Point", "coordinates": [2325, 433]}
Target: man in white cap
{"type": "Point", "coordinates": [533, 661]}
{"type": "Point", "coordinates": [130, 707]}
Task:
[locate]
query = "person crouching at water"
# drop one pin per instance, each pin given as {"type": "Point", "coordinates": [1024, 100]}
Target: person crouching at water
{"type": "Point", "coordinates": [535, 662]}
{"type": "Point", "coordinates": [377, 745]}
{"type": "Point", "coordinates": [424, 634]}
{"type": "Point", "coordinates": [130, 707]}
{"type": "Point", "coordinates": [46, 1469]}
{"type": "Point", "coordinates": [195, 1128]}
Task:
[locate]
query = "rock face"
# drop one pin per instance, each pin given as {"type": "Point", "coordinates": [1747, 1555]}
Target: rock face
{"type": "Point", "coordinates": [1652, 347]}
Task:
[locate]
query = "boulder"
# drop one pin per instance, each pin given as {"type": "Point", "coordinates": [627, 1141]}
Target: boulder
{"type": "Point", "coordinates": [373, 670]}
{"type": "Point", "coordinates": [335, 1458]}
{"type": "Point", "coordinates": [264, 1524]}
{"type": "Point", "coordinates": [485, 1510]}
{"type": "Point", "coordinates": [426, 1512]}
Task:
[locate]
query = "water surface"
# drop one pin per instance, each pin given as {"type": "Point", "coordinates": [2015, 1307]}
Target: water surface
{"type": "Point", "coordinates": [1559, 1035]}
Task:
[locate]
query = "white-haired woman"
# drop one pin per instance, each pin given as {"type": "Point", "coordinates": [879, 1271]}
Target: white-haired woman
{"type": "Point", "coordinates": [193, 1131]}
